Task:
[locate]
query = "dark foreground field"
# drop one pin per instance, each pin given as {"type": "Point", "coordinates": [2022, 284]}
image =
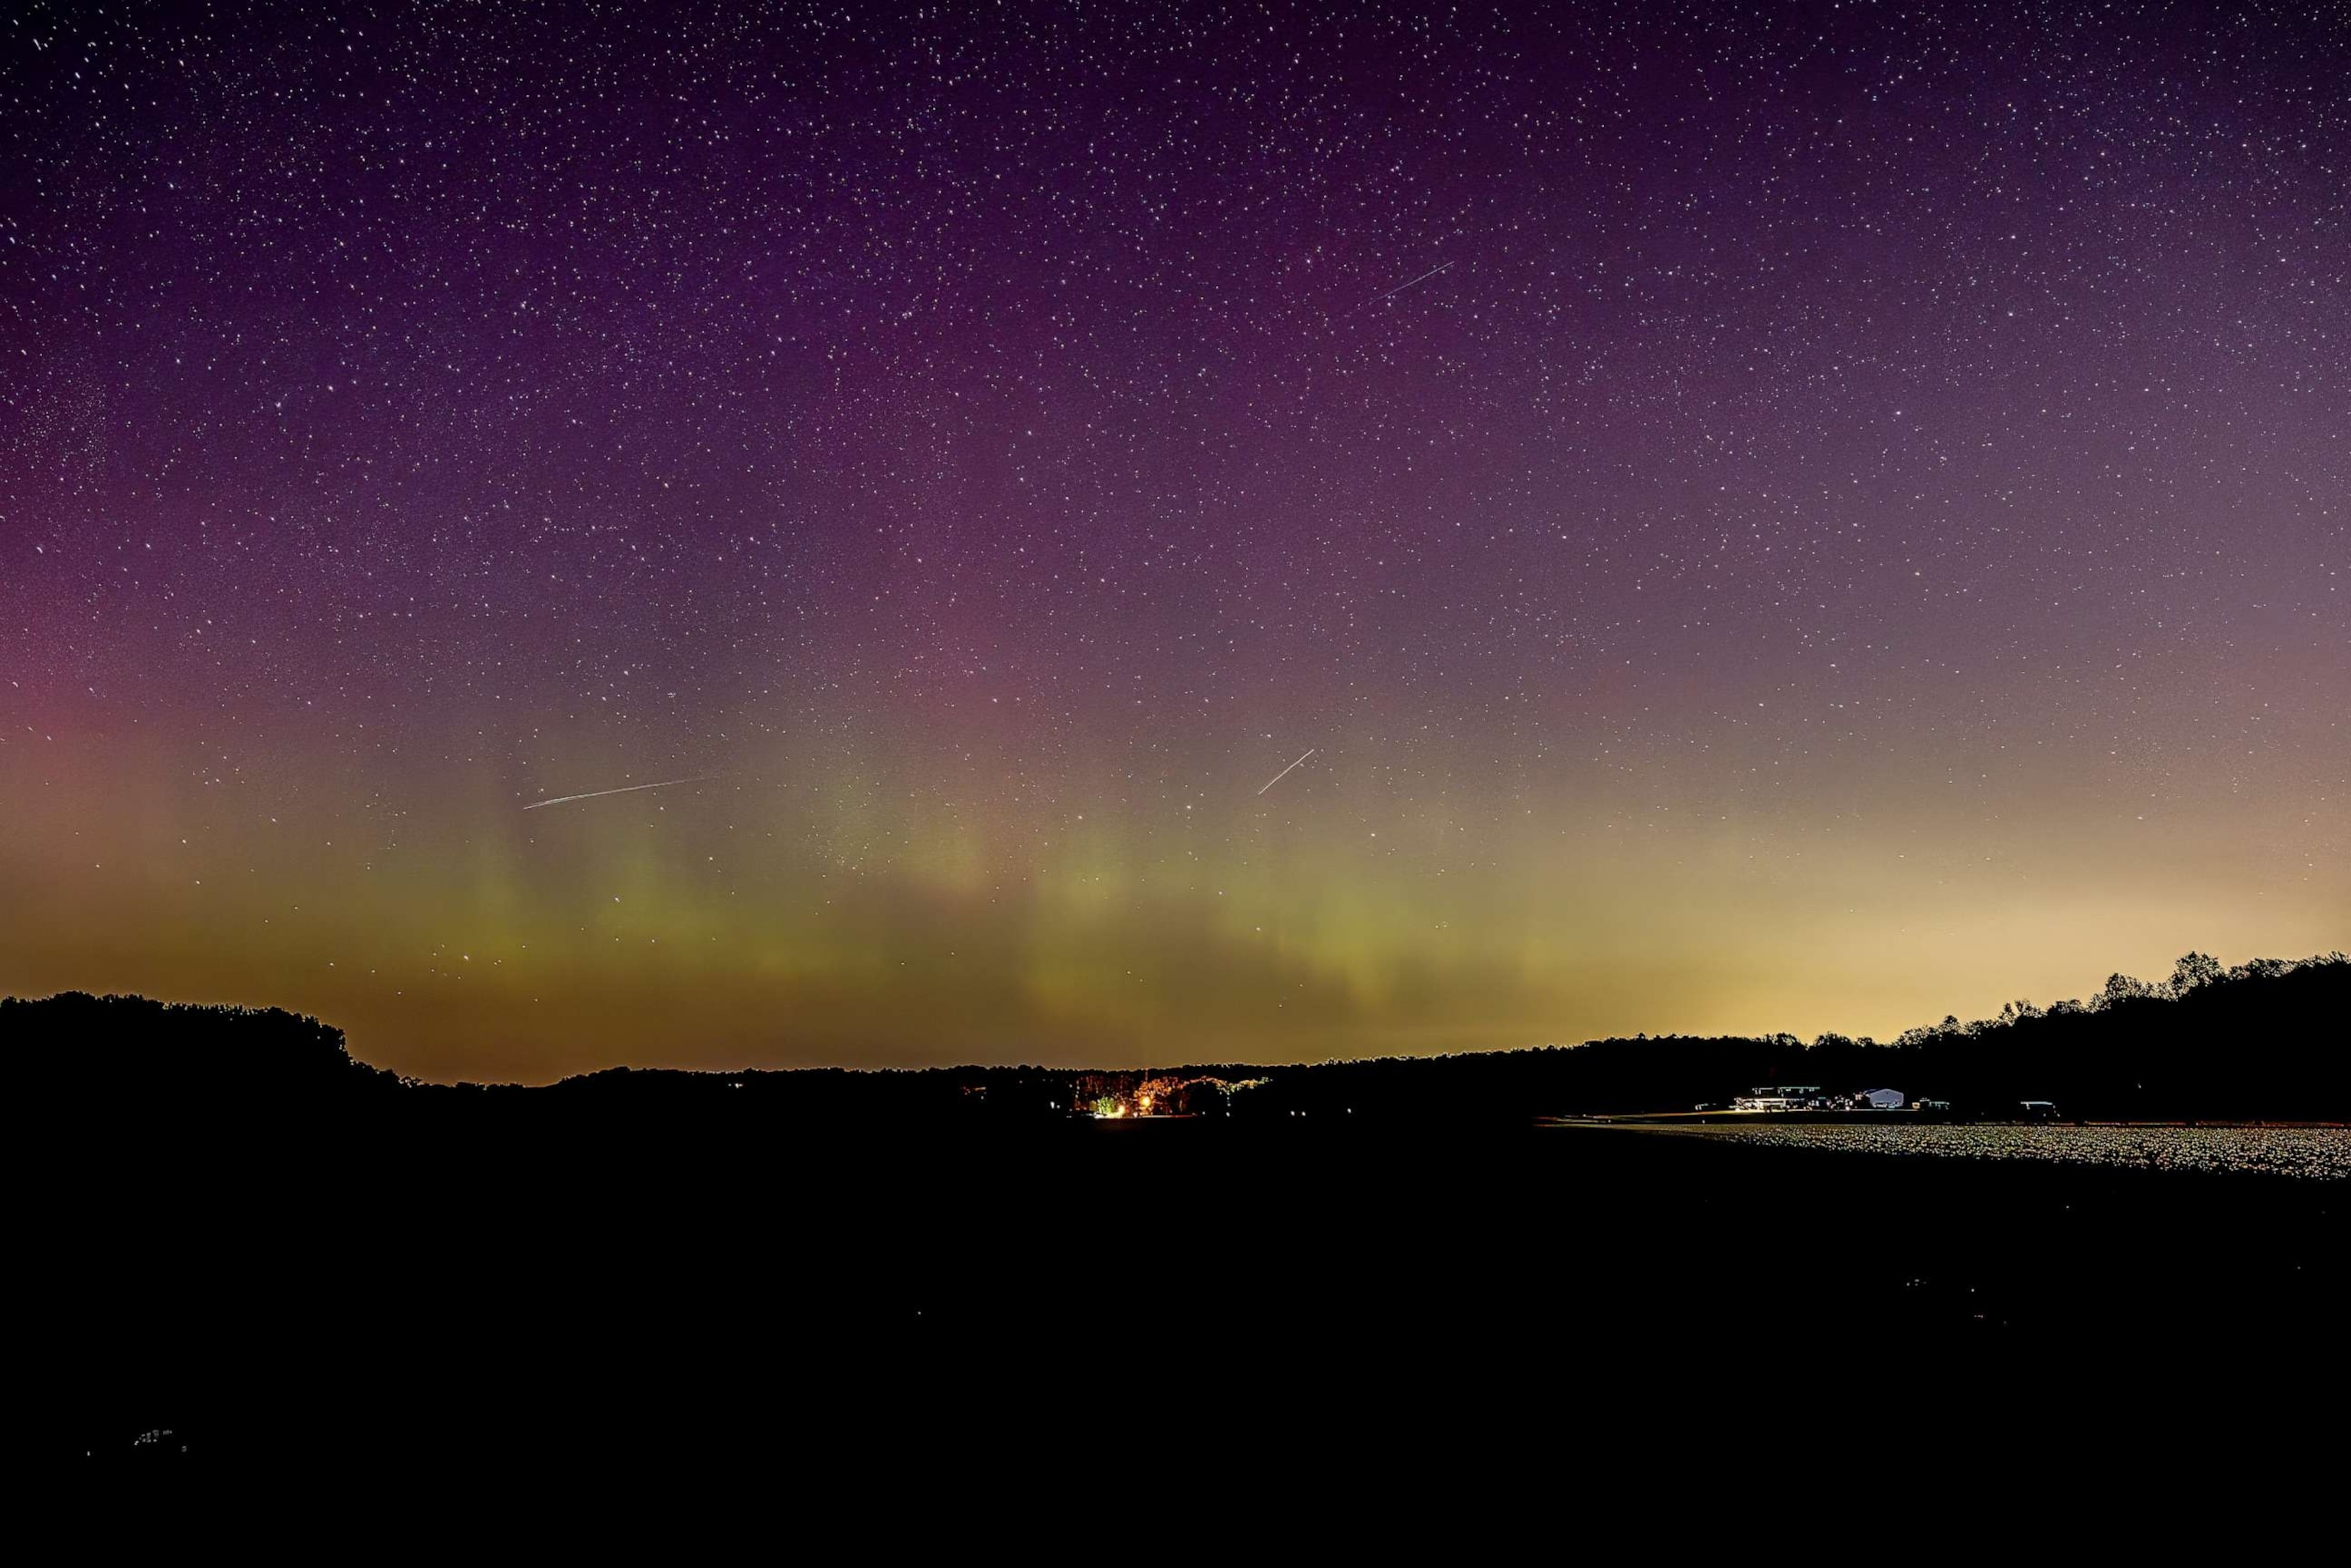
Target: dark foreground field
{"type": "Point", "coordinates": [499, 1292]}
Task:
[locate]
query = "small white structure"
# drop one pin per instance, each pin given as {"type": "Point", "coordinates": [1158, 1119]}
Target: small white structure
{"type": "Point", "coordinates": [1785, 1097]}
{"type": "Point", "coordinates": [1879, 1100]}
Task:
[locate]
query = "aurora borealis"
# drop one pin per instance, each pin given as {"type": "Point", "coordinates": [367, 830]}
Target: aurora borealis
{"type": "Point", "coordinates": [1767, 518]}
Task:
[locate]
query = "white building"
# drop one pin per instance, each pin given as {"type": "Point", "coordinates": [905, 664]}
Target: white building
{"type": "Point", "coordinates": [1879, 1100]}
{"type": "Point", "coordinates": [1784, 1097]}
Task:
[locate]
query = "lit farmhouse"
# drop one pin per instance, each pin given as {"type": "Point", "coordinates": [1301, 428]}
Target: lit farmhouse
{"type": "Point", "coordinates": [1812, 1097]}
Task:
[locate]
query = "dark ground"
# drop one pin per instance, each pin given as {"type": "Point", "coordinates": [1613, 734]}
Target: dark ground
{"type": "Point", "coordinates": [499, 1292]}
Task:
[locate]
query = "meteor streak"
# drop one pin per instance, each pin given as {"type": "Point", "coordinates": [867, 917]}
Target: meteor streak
{"type": "Point", "coordinates": [1270, 782]}
{"type": "Point", "coordinates": [1408, 282]}
{"type": "Point", "coordinates": [624, 790]}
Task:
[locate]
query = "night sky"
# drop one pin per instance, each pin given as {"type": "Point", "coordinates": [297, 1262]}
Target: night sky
{"type": "Point", "coordinates": [1775, 516]}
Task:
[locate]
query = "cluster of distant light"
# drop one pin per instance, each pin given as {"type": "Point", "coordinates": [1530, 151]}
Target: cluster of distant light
{"type": "Point", "coordinates": [2322, 1154]}
{"type": "Point", "coordinates": [1112, 1096]}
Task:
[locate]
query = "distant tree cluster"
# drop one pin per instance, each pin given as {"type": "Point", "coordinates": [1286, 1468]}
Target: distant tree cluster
{"type": "Point", "coordinates": [111, 1049]}
{"type": "Point", "coordinates": [2261, 1040]}
{"type": "Point", "coordinates": [2256, 1041]}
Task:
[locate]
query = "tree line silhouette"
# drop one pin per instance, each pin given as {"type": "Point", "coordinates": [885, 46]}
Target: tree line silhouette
{"type": "Point", "coordinates": [2262, 1040]}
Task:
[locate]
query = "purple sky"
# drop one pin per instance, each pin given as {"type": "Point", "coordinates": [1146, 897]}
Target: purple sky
{"type": "Point", "coordinates": [1793, 517]}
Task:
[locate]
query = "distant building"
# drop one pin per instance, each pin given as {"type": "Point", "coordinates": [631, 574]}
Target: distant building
{"type": "Point", "coordinates": [1785, 1097]}
{"type": "Point", "coordinates": [2037, 1109]}
{"type": "Point", "coordinates": [1930, 1104]}
{"type": "Point", "coordinates": [1812, 1097]}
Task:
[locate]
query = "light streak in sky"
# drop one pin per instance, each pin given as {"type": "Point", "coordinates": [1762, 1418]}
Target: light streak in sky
{"type": "Point", "coordinates": [1408, 282]}
{"type": "Point", "coordinates": [1285, 772]}
{"type": "Point", "coordinates": [624, 790]}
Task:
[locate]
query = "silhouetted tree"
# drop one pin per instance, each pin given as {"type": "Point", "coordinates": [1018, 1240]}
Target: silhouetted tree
{"type": "Point", "coordinates": [2194, 970]}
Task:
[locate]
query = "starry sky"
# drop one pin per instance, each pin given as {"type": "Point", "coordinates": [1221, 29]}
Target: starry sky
{"type": "Point", "coordinates": [1766, 516]}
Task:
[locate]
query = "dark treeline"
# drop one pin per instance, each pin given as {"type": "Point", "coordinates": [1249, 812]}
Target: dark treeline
{"type": "Point", "coordinates": [2259, 1041]}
